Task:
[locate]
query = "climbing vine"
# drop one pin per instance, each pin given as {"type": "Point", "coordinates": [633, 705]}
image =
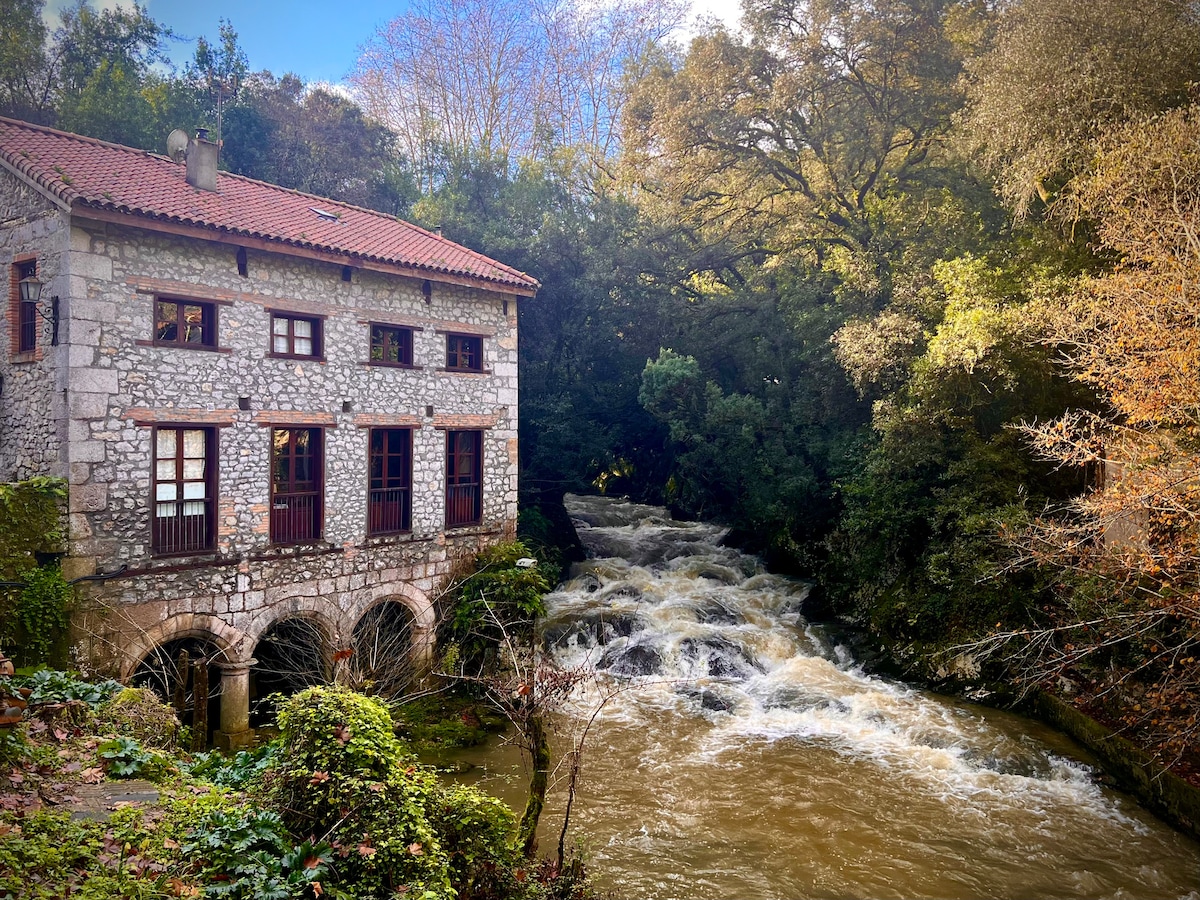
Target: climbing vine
{"type": "Point", "coordinates": [34, 599]}
{"type": "Point", "coordinates": [30, 522]}
{"type": "Point", "coordinates": [42, 611]}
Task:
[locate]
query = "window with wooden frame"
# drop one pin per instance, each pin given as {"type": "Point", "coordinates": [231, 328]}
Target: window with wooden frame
{"type": "Point", "coordinates": [389, 492]}
{"type": "Point", "coordinates": [464, 478]}
{"type": "Point", "coordinates": [184, 485]}
{"type": "Point", "coordinates": [464, 352]}
{"type": "Point", "coordinates": [296, 336]}
{"type": "Point", "coordinates": [185, 323]}
{"type": "Point", "coordinates": [391, 345]}
{"type": "Point", "coordinates": [297, 485]}
{"type": "Point", "coordinates": [27, 312]}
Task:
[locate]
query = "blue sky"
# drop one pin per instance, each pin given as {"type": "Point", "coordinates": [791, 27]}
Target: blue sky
{"type": "Point", "coordinates": [316, 39]}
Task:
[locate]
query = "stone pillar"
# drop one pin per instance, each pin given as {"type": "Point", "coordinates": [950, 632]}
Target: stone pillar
{"type": "Point", "coordinates": [235, 732]}
{"type": "Point", "coordinates": [423, 636]}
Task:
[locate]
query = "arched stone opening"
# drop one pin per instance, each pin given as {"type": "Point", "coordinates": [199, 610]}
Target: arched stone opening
{"type": "Point", "coordinates": [185, 672]}
{"type": "Point", "coordinates": [138, 644]}
{"type": "Point", "coordinates": [293, 653]}
{"type": "Point", "coordinates": [383, 662]}
{"type": "Point", "coordinates": [218, 643]}
{"type": "Point", "coordinates": [422, 625]}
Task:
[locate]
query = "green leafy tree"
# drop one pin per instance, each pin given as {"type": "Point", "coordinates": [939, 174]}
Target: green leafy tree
{"type": "Point", "coordinates": [314, 141]}
{"type": "Point", "coordinates": [784, 140]}
{"type": "Point", "coordinates": [26, 68]}
{"type": "Point", "coordinates": [603, 309]}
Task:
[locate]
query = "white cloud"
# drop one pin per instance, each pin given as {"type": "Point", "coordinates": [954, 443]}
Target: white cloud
{"type": "Point", "coordinates": [725, 12]}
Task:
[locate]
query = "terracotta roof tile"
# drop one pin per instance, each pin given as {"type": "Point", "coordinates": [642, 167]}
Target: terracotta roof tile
{"type": "Point", "coordinates": [83, 172]}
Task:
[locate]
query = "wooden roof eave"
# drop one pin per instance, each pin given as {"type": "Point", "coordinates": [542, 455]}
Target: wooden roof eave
{"type": "Point", "coordinates": [89, 212]}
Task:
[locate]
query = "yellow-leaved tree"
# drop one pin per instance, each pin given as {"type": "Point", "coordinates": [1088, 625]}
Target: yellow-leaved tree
{"type": "Point", "coordinates": [1127, 634]}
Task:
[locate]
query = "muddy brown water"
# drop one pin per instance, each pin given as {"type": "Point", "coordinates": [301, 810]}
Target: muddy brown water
{"type": "Point", "coordinates": [742, 755]}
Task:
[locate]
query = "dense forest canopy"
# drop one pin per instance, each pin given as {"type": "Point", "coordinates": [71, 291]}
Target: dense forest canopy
{"type": "Point", "coordinates": [902, 290]}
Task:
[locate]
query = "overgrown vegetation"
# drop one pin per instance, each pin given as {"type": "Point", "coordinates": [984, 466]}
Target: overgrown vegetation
{"type": "Point", "coordinates": [35, 602]}
{"type": "Point", "coordinates": [337, 807]}
{"type": "Point", "coordinates": [497, 598]}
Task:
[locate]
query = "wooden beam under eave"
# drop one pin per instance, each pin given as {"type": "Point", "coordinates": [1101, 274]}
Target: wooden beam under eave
{"type": "Point", "coordinates": [213, 236]}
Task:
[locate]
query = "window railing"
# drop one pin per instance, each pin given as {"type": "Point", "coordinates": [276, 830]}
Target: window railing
{"type": "Point", "coordinates": [182, 526]}
{"type": "Point", "coordinates": [296, 517]}
{"type": "Point", "coordinates": [28, 327]}
{"type": "Point", "coordinates": [462, 505]}
{"type": "Point", "coordinates": [389, 510]}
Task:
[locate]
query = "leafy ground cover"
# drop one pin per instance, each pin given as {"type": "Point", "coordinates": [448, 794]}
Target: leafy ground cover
{"type": "Point", "coordinates": [337, 806]}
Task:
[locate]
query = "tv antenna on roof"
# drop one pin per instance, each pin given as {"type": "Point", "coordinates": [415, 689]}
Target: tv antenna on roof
{"type": "Point", "coordinates": [226, 88]}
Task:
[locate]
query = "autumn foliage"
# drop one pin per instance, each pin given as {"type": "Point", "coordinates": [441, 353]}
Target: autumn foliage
{"type": "Point", "coordinates": [1130, 630]}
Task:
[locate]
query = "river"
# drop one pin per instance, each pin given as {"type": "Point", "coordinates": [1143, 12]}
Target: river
{"type": "Point", "coordinates": [739, 754]}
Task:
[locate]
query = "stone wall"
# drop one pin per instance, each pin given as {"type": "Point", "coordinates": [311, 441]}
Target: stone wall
{"type": "Point", "coordinates": [32, 422]}
{"type": "Point", "coordinates": [121, 386]}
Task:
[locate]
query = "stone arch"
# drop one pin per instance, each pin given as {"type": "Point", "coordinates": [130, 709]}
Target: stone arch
{"type": "Point", "coordinates": [325, 613]}
{"type": "Point", "coordinates": [294, 641]}
{"type": "Point", "coordinates": [229, 640]}
{"type": "Point", "coordinates": [382, 644]}
{"type": "Point", "coordinates": [401, 592]}
{"type": "Point", "coordinates": [416, 601]}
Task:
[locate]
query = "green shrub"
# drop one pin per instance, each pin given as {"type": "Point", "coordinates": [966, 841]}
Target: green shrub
{"type": "Point", "coordinates": [476, 834]}
{"type": "Point", "coordinates": [246, 854]}
{"type": "Point", "coordinates": [497, 597]}
{"type": "Point", "coordinates": [124, 757]}
{"type": "Point", "coordinates": [239, 771]}
{"type": "Point", "coordinates": [139, 713]}
{"type": "Point", "coordinates": [340, 772]}
{"type": "Point", "coordinates": [54, 686]}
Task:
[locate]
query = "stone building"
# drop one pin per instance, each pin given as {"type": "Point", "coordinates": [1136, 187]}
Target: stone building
{"type": "Point", "coordinates": [270, 407]}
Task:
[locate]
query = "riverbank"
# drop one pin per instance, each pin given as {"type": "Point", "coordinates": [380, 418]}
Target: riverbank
{"type": "Point", "coordinates": [98, 798]}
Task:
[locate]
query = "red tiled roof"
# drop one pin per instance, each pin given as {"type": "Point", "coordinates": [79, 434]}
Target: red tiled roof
{"type": "Point", "coordinates": [86, 173]}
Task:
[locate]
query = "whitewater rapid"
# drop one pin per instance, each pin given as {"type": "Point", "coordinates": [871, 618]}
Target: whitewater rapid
{"type": "Point", "coordinates": [737, 752]}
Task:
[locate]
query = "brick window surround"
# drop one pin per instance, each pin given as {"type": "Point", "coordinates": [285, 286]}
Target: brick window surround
{"type": "Point", "coordinates": [184, 486]}
{"type": "Point", "coordinates": [389, 492]}
{"type": "Point", "coordinates": [297, 485]}
{"type": "Point", "coordinates": [185, 323]}
{"type": "Point", "coordinates": [296, 336]}
{"type": "Point", "coordinates": [22, 316]}
{"type": "Point", "coordinates": [464, 352]}
{"type": "Point", "coordinates": [391, 345]}
{"type": "Point", "coordinates": [464, 478]}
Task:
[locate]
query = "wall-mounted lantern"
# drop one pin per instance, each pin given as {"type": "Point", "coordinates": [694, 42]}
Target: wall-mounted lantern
{"type": "Point", "coordinates": [30, 291]}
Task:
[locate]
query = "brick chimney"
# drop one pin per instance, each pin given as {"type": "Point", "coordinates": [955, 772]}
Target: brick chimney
{"type": "Point", "coordinates": [202, 162]}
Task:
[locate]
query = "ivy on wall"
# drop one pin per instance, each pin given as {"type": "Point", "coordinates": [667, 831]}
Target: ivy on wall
{"type": "Point", "coordinates": [35, 599]}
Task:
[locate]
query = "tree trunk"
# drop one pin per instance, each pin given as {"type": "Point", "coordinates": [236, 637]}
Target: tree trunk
{"type": "Point", "coordinates": [539, 751]}
{"type": "Point", "coordinates": [200, 710]}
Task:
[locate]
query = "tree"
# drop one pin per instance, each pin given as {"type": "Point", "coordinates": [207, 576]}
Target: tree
{"type": "Point", "coordinates": [312, 140]}
{"type": "Point", "coordinates": [1130, 627]}
{"type": "Point", "coordinates": [506, 78]}
{"type": "Point", "coordinates": [602, 310]}
{"type": "Point", "coordinates": [1059, 72]}
{"type": "Point", "coordinates": [26, 72]}
{"type": "Point", "coordinates": [787, 140]}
